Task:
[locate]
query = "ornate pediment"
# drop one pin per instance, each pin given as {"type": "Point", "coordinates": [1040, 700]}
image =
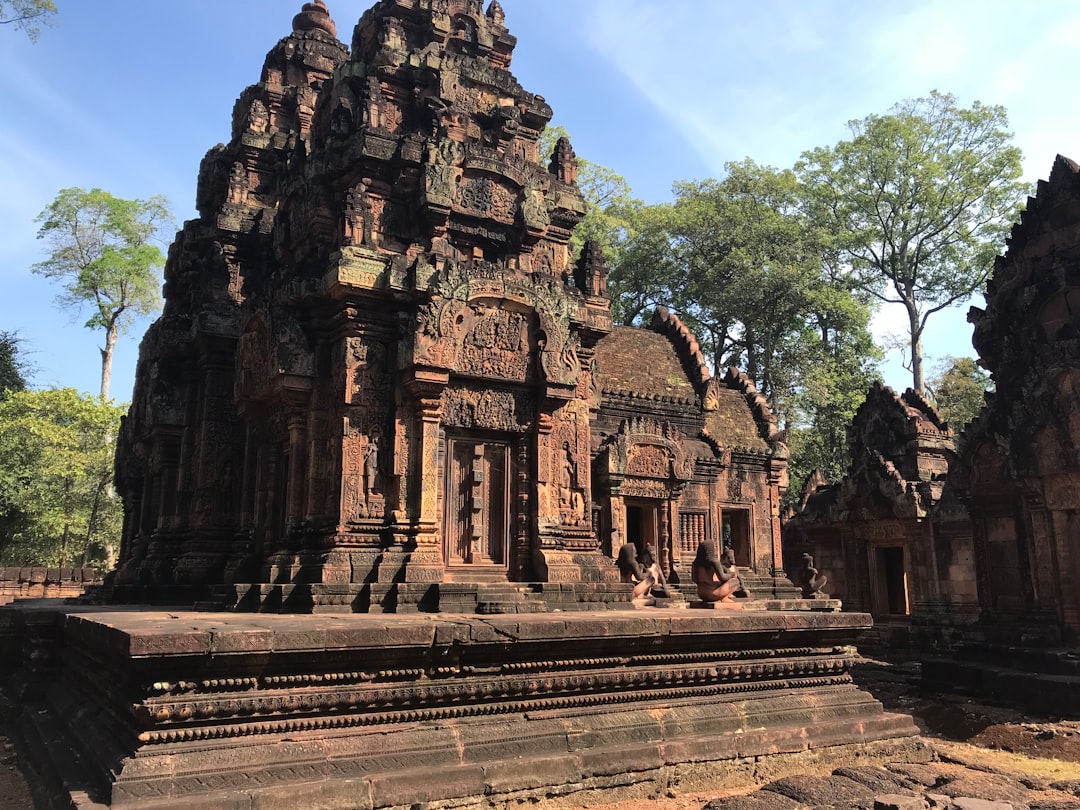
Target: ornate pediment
{"type": "Point", "coordinates": [648, 449]}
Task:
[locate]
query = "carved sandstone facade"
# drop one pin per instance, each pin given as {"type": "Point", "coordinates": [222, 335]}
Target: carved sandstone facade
{"type": "Point", "coordinates": [380, 364]}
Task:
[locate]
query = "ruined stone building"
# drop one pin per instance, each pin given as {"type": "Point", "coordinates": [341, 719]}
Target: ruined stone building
{"type": "Point", "coordinates": [1021, 456]}
{"type": "Point", "coordinates": [380, 366]}
{"type": "Point", "coordinates": [892, 535]}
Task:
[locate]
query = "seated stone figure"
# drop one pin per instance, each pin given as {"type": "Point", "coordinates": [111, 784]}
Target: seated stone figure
{"type": "Point", "coordinates": [642, 571]}
{"type": "Point", "coordinates": [811, 581]}
{"type": "Point", "coordinates": [715, 581]}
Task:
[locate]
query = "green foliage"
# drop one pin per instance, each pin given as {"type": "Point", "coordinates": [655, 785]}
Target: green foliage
{"type": "Point", "coordinates": [56, 461]}
{"type": "Point", "coordinates": [748, 272]}
{"type": "Point", "coordinates": [28, 15]}
{"type": "Point", "coordinates": [644, 268]}
{"type": "Point", "coordinates": [958, 388]}
{"type": "Point", "coordinates": [13, 366]}
{"type": "Point", "coordinates": [607, 196]}
{"type": "Point", "coordinates": [103, 255]}
{"type": "Point", "coordinates": [918, 202]}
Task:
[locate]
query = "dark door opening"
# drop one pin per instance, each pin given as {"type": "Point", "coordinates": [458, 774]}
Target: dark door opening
{"type": "Point", "coordinates": [641, 526]}
{"type": "Point", "coordinates": [735, 532]}
{"type": "Point", "coordinates": [892, 581]}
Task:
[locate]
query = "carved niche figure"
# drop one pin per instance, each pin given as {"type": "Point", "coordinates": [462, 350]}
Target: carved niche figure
{"type": "Point", "coordinates": [811, 581]}
{"type": "Point", "coordinates": [571, 501]}
{"type": "Point", "coordinates": [371, 470]}
{"type": "Point", "coordinates": [258, 117]}
{"type": "Point", "coordinates": [715, 581]}
{"type": "Point", "coordinates": [238, 184]}
{"type": "Point", "coordinates": [534, 210]}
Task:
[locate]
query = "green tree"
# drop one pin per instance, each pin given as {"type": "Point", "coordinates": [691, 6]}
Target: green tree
{"type": "Point", "coordinates": [644, 268]}
{"type": "Point", "coordinates": [103, 254]}
{"type": "Point", "coordinates": [607, 198]}
{"type": "Point", "coordinates": [13, 366]}
{"type": "Point", "coordinates": [748, 271]}
{"type": "Point", "coordinates": [919, 201]}
{"type": "Point", "coordinates": [958, 389]}
{"type": "Point", "coordinates": [842, 366]}
{"type": "Point", "coordinates": [28, 15]}
{"type": "Point", "coordinates": [56, 464]}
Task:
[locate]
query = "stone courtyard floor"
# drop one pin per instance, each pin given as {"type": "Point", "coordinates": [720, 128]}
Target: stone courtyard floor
{"type": "Point", "coordinates": [983, 758]}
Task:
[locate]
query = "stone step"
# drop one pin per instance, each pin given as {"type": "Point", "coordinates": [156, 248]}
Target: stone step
{"type": "Point", "coordinates": [476, 574]}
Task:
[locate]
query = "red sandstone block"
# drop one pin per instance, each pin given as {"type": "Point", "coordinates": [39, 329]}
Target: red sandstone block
{"type": "Point", "coordinates": [772, 741]}
{"type": "Point", "coordinates": [241, 639]}
{"type": "Point", "coordinates": [298, 637]}
{"type": "Point", "coordinates": [182, 643]}
{"type": "Point", "coordinates": [613, 761]}
{"type": "Point", "coordinates": [700, 749]}
{"type": "Point", "coordinates": [329, 795]}
{"type": "Point", "coordinates": [411, 787]}
{"type": "Point", "coordinates": [528, 773]}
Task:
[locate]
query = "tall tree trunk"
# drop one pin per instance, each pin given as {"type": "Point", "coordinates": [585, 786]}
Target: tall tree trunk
{"type": "Point", "coordinates": [915, 330]}
{"type": "Point", "coordinates": [111, 335]}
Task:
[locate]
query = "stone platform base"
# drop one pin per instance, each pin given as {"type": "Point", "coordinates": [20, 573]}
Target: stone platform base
{"type": "Point", "coordinates": [132, 708]}
{"type": "Point", "coordinates": [1044, 681]}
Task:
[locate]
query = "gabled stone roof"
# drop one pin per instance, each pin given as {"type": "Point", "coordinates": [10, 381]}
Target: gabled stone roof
{"type": "Point", "coordinates": [642, 363]}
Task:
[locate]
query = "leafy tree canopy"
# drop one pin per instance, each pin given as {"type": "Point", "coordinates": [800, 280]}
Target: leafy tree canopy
{"type": "Point", "coordinates": [918, 201]}
{"type": "Point", "coordinates": [56, 464]}
{"type": "Point", "coordinates": [13, 365]}
{"type": "Point", "coordinates": [607, 196]}
{"type": "Point", "coordinates": [103, 254]}
{"type": "Point", "coordinates": [958, 388]}
{"type": "Point", "coordinates": [29, 15]}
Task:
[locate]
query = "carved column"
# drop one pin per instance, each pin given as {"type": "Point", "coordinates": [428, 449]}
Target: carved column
{"type": "Point", "coordinates": [426, 560]}
{"type": "Point", "coordinates": [776, 472]}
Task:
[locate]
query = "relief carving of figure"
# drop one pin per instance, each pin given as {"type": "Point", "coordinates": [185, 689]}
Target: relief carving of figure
{"type": "Point", "coordinates": [238, 184]}
{"type": "Point", "coordinates": [534, 210]}
{"type": "Point", "coordinates": [568, 475]}
{"type": "Point", "coordinates": [371, 469]}
{"type": "Point", "coordinates": [258, 117]}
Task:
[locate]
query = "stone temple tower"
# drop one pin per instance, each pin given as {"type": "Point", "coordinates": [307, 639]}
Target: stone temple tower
{"type": "Point", "coordinates": [375, 359]}
{"type": "Point", "coordinates": [381, 369]}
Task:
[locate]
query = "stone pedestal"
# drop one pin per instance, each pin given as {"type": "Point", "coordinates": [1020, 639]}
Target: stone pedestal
{"type": "Point", "coordinates": [154, 710]}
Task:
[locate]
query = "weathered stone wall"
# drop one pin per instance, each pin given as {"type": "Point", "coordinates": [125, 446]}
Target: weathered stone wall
{"type": "Point", "coordinates": [45, 583]}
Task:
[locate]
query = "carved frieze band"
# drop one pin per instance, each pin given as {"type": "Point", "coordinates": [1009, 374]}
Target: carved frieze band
{"type": "Point", "coordinates": [414, 694]}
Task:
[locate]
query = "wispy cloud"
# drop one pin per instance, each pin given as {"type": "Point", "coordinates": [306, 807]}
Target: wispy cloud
{"type": "Point", "coordinates": [777, 78]}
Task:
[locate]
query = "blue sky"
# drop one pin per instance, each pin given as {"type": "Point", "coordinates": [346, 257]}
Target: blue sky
{"type": "Point", "coordinates": [128, 95]}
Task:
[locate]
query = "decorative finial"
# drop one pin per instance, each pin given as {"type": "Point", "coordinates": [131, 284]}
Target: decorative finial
{"type": "Point", "coordinates": [495, 13]}
{"type": "Point", "coordinates": [314, 16]}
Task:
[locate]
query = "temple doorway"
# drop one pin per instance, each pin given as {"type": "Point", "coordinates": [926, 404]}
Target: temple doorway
{"type": "Point", "coordinates": [642, 525]}
{"type": "Point", "coordinates": [890, 591]}
{"type": "Point", "coordinates": [476, 525]}
{"type": "Point", "coordinates": [735, 532]}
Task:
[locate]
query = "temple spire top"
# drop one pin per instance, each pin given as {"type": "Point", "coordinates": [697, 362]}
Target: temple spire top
{"type": "Point", "coordinates": [314, 16]}
{"type": "Point", "coordinates": [495, 13]}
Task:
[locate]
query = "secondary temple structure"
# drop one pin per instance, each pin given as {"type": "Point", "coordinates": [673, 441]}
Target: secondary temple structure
{"type": "Point", "coordinates": [382, 367]}
{"type": "Point", "coordinates": [894, 534]}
